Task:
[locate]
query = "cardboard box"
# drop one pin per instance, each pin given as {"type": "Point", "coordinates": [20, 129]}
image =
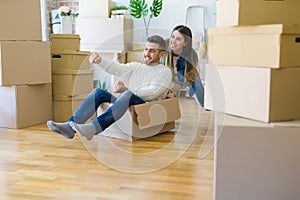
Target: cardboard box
{"type": "Point", "coordinates": [25, 105]}
{"type": "Point", "coordinates": [262, 94]}
{"type": "Point", "coordinates": [65, 106]}
{"type": "Point", "coordinates": [264, 155]}
{"type": "Point", "coordinates": [144, 120]}
{"type": "Point", "coordinates": [95, 8]}
{"type": "Point", "coordinates": [18, 22]}
{"type": "Point", "coordinates": [74, 60]}
{"type": "Point", "coordinates": [24, 62]}
{"type": "Point", "coordinates": [274, 46]}
{"type": "Point", "coordinates": [94, 36]}
{"type": "Point", "coordinates": [254, 12]}
{"type": "Point", "coordinates": [72, 82]}
{"type": "Point", "coordinates": [64, 42]}
{"type": "Point", "coordinates": [135, 56]}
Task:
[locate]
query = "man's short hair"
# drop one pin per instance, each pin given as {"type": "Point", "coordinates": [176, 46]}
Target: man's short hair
{"type": "Point", "coordinates": [157, 40]}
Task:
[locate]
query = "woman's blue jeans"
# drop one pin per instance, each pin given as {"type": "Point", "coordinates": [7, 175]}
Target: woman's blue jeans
{"type": "Point", "coordinates": [114, 113]}
{"type": "Point", "coordinates": [196, 88]}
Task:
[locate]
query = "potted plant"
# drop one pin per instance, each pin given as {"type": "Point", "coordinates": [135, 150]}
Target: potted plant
{"type": "Point", "coordinates": [66, 11]}
{"type": "Point", "coordinates": [67, 16]}
{"type": "Point", "coordinates": [139, 8]}
{"type": "Point", "coordinates": [102, 85]}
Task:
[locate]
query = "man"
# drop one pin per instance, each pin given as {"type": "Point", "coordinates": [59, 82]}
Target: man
{"type": "Point", "coordinates": [139, 83]}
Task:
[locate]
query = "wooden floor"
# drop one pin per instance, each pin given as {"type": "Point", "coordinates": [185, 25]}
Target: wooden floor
{"type": "Point", "coordinates": [38, 164]}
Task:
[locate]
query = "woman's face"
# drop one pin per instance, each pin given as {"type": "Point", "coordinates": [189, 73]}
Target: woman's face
{"type": "Point", "coordinates": [177, 42]}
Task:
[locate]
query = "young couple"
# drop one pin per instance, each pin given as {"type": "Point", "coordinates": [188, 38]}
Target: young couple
{"type": "Point", "coordinates": [140, 82]}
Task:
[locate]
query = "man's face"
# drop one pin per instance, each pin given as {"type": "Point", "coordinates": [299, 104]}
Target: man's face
{"type": "Point", "coordinates": [152, 54]}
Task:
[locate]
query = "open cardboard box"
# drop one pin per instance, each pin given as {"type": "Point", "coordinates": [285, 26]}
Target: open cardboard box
{"type": "Point", "coordinates": [144, 120]}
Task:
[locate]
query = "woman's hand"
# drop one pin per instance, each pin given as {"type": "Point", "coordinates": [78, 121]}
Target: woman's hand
{"type": "Point", "coordinates": [95, 58]}
{"type": "Point", "coordinates": [119, 87]}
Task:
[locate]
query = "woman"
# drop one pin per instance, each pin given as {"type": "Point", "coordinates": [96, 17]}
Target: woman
{"type": "Point", "coordinates": [183, 61]}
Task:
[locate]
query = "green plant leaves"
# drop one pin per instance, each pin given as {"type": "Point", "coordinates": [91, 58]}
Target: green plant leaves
{"type": "Point", "coordinates": [138, 8]}
{"type": "Point", "coordinates": [102, 85]}
{"type": "Point", "coordinates": [119, 8]}
{"type": "Point", "coordinates": [155, 8]}
{"type": "Point", "coordinates": [75, 15]}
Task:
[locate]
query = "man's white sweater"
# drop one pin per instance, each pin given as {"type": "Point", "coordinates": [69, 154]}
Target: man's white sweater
{"type": "Point", "coordinates": [148, 82]}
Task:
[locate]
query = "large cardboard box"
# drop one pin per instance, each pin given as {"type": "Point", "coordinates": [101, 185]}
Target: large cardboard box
{"type": "Point", "coordinates": [272, 46]}
{"type": "Point", "coordinates": [95, 8]}
{"type": "Point", "coordinates": [262, 94]}
{"type": "Point", "coordinates": [25, 105]}
{"type": "Point", "coordinates": [144, 120]}
{"type": "Point", "coordinates": [254, 12]}
{"type": "Point", "coordinates": [24, 62]}
{"type": "Point", "coordinates": [256, 160]}
{"type": "Point", "coordinates": [135, 56]}
{"type": "Point", "coordinates": [74, 60]}
{"type": "Point", "coordinates": [20, 20]}
{"type": "Point", "coordinates": [72, 82]}
{"type": "Point", "coordinates": [65, 42]}
{"type": "Point", "coordinates": [65, 106]}
{"type": "Point", "coordinates": [95, 34]}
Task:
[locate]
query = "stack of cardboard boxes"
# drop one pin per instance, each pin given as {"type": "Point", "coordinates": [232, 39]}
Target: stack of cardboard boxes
{"type": "Point", "coordinates": [256, 57]}
{"type": "Point", "coordinates": [25, 82]}
{"type": "Point", "coordinates": [72, 75]}
{"type": "Point", "coordinates": [253, 78]}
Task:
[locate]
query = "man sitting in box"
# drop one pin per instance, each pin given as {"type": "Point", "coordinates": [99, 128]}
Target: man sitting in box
{"type": "Point", "coordinates": [140, 83]}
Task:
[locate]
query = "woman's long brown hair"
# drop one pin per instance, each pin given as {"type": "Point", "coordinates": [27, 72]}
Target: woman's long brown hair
{"type": "Point", "coordinates": [189, 53]}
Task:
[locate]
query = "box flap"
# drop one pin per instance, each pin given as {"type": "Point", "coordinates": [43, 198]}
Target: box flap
{"type": "Point", "coordinates": [64, 36]}
{"type": "Point", "coordinates": [157, 112]}
{"type": "Point", "coordinates": [255, 29]}
{"type": "Point", "coordinates": [70, 71]}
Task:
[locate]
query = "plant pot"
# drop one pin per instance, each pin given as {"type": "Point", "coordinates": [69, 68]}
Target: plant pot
{"type": "Point", "coordinates": [66, 24]}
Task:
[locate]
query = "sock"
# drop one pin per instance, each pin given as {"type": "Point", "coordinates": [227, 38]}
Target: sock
{"type": "Point", "coordinates": [63, 129]}
{"type": "Point", "coordinates": [86, 130]}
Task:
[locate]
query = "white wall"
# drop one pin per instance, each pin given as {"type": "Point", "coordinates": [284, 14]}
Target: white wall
{"type": "Point", "coordinates": [174, 13]}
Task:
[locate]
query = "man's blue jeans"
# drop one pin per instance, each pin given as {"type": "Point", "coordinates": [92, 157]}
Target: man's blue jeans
{"type": "Point", "coordinates": [115, 112]}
